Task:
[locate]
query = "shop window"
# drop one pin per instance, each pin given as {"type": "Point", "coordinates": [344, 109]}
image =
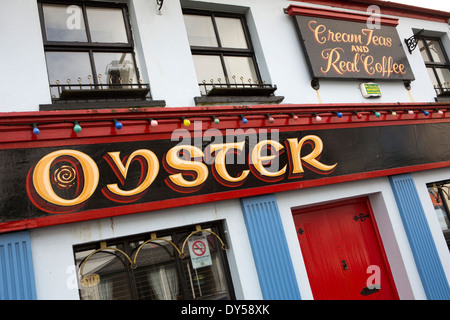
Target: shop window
{"type": "Point", "coordinates": [89, 52]}
{"type": "Point", "coordinates": [438, 65]}
{"type": "Point", "coordinates": [157, 266]}
{"type": "Point", "coordinates": [223, 56]}
{"type": "Point", "coordinates": [440, 196]}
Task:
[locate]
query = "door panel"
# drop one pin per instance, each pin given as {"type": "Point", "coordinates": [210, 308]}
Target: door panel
{"type": "Point", "coordinates": [343, 253]}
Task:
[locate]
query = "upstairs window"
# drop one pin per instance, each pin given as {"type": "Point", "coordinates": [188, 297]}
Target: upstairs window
{"type": "Point", "coordinates": [89, 52]}
{"type": "Point", "coordinates": [223, 55]}
{"type": "Point", "coordinates": [437, 64]}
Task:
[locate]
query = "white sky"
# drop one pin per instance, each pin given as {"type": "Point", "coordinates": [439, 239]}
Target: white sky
{"type": "Point", "coordinates": [443, 5]}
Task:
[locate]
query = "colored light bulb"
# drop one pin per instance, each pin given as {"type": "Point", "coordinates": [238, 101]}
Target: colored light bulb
{"type": "Point", "coordinates": [410, 112]}
{"type": "Point", "coordinates": [295, 117]}
{"type": "Point", "coordinates": [77, 127]}
{"type": "Point", "coordinates": [359, 115]}
{"type": "Point", "coordinates": [186, 122]}
{"type": "Point", "coordinates": [339, 114]}
{"type": "Point", "coordinates": [440, 112]}
{"type": "Point", "coordinates": [426, 113]}
{"type": "Point", "coordinates": [36, 129]}
{"type": "Point", "coordinates": [216, 121]}
{"type": "Point", "coordinates": [394, 113]}
{"type": "Point", "coordinates": [244, 119]}
{"type": "Point", "coordinates": [153, 123]}
{"type": "Point", "coordinates": [377, 114]}
{"type": "Point", "coordinates": [118, 124]}
{"type": "Point", "coordinates": [318, 118]}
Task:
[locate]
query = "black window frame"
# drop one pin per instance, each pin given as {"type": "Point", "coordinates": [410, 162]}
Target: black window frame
{"type": "Point", "coordinates": [178, 235]}
{"type": "Point", "coordinates": [259, 90]}
{"type": "Point", "coordinates": [441, 90]}
{"type": "Point", "coordinates": [94, 95]}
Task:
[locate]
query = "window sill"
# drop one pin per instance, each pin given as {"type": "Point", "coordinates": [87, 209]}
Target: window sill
{"type": "Point", "coordinates": [203, 100]}
{"type": "Point", "coordinates": [111, 104]}
{"type": "Point", "coordinates": [111, 93]}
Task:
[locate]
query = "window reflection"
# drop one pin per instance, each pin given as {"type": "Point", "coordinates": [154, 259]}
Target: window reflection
{"type": "Point", "coordinates": [115, 67]}
{"type": "Point", "coordinates": [64, 23]}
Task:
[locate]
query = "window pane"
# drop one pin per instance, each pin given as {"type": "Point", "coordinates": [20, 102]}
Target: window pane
{"type": "Point", "coordinates": [208, 68]}
{"type": "Point", "coordinates": [231, 33]}
{"type": "Point", "coordinates": [67, 66]}
{"type": "Point", "coordinates": [439, 207]}
{"type": "Point", "coordinates": [156, 275]}
{"type": "Point", "coordinates": [241, 67]}
{"type": "Point", "coordinates": [115, 67]}
{"type": "Point", "coordinates": [433, 78]}
{"type": "Point", "coordinates": [436, 51]}
{"type": "Point", "coordinates": [64, 23]}
{"type": "Point", "coordinates": [200, 31]}
{"type": "Point", "coordinates": [444, 77]}
{"type": "Point", "coordinates": [423, 51]}
{"type": "Point", "coordinates": [111, 267]}
{"type": "Point", "coordinates": [107, 25]}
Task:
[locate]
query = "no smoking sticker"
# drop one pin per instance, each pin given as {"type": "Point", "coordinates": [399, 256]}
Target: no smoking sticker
{"type": "Point", "coordinates": [199, 252]}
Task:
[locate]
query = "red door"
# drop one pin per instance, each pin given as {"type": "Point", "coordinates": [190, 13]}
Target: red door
{"type": "Point", "coordinates": [343, 254]}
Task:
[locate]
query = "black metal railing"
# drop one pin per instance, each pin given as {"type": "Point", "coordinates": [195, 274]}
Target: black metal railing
{"type": "Point", "coordinates": [235, 86]}
{"type": "Point", "coordinates": [443, 89]}
{"type": "Point", "coordinates": [112, 88]}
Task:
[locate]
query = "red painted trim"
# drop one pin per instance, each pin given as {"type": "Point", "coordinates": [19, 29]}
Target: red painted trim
{"type": "Point", "coordinates": [294, 10]}
{"type": "Point", "coordinates": [387, 8]}
{"type": "Point", "coordinates": [179, 202]}
{"type": "Point", "coordinates": [98, 127]}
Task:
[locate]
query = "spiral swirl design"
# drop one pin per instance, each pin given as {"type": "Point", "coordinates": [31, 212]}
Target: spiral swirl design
{"type": "Point", "coordinates": [65, 177]}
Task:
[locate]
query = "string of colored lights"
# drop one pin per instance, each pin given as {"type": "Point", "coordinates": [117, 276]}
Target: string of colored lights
{"type": "Point", "coordinates": [317, 116]}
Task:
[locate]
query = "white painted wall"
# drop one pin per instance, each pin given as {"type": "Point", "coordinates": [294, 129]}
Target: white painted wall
{"type": "Point", "coordinates": [165, 59]}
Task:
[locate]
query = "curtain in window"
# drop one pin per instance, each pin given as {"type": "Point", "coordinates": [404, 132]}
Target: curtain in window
{"type": "Point", "coordinates": [164, 281]}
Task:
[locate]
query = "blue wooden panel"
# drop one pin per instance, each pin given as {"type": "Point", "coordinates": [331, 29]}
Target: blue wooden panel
{"type": "Point", "coordinates": [420, 238]}
{"type": "Point", "coordinates": [16, 267]}
{"type": "Point", "coordinates": [270, 251]}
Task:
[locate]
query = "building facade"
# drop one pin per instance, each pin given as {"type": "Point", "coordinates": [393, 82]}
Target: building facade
{"type": "Point", "coordinates": [203, 149]}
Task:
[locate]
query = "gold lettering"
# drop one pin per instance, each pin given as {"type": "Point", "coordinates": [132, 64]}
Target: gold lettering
{"type": "Point", "coordinates": [295, 148]}
{"type": "Point", "coordinates": [258, 160]}
{"type": "Point", "coordinates": [42, 183]}
{"type": "Point", "coordinates": [175, 162]}
{"type": "Point", "coordinates": [151, 170]}
{"type": "Point", "coordinates": [221, 151]}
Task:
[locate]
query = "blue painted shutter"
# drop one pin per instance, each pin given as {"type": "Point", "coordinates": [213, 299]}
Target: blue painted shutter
{"type": "Point", "coordinates": [420, 238]}
{"type": "Point", "coordinates": [16, 267]}
{"type": "Point", "coordinates": [270, 251]}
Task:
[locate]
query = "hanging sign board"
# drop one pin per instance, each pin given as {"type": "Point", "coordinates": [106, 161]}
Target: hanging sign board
{"type": "Point", "coordinates": [199, 252]}
{"type": "Point", "coordinates": [351, 50]}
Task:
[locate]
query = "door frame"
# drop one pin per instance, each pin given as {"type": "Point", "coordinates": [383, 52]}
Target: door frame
{"type": "Point", "coordinates": [364, 199]}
